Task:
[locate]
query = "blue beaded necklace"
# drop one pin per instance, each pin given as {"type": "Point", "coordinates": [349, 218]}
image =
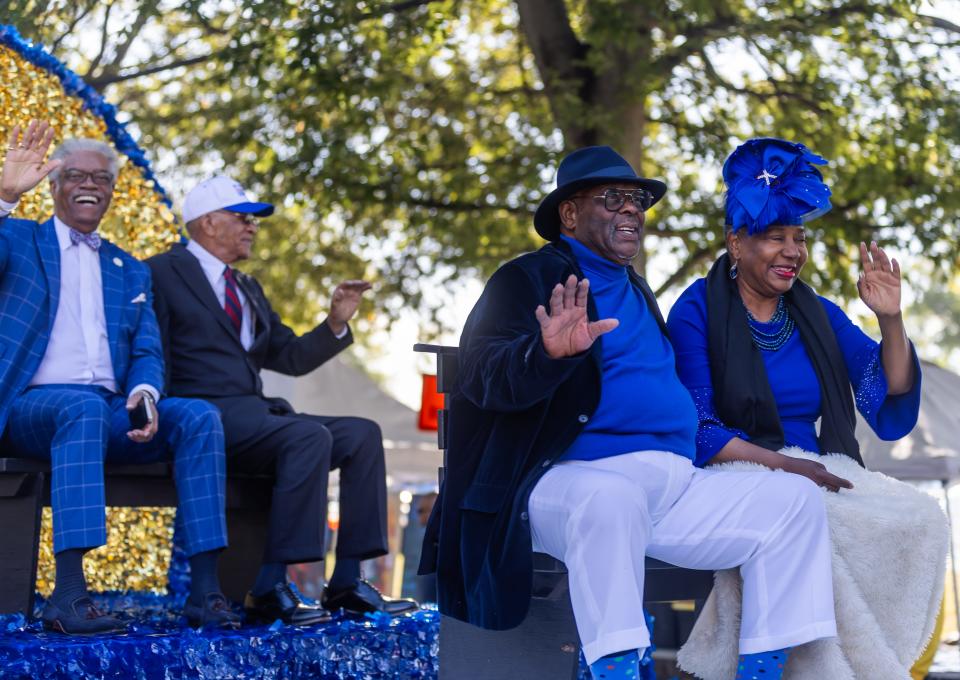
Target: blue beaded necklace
{"type": "Point", "coordinates": [773, 334]}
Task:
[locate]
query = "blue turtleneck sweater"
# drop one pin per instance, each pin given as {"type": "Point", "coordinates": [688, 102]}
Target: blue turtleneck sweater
{"type": "Point", "coordinates": [643, 405]}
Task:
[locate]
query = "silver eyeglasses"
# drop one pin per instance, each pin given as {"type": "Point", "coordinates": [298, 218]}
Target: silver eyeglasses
{"type": "Point", "coordinates": [613, 199]}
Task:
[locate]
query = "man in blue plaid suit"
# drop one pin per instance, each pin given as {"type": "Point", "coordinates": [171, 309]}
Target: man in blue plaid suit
{"type": "Point", "coordinates": [79, 351]}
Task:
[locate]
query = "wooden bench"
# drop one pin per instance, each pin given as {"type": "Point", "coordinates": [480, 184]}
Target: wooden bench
{"type": "Point", "coordinates": [25, 489]}
{"type": "Point", "coordinates": [545, 646]}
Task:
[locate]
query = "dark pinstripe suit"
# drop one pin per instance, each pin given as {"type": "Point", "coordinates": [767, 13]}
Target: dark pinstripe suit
{"type": "Point", "coordinates": [205, 358]}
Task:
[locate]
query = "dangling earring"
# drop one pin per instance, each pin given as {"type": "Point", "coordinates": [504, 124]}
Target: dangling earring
{"type": "Point", "coordinates": [733, 271]}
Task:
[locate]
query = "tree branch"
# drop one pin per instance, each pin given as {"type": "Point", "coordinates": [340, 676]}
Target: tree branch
{"type": "Point", "coordinates": [78, 17]}
{"type": "Point", "coordinates": [404, 6]}
{"type": "Point", "coordinates": [395, 7]}
{"type": "Point", "coordinates": [693, 260]}
{"type": "Point", "coordinates": [130, 35]}
{"type": "Point", "coordinates": [460, 206]}
{"type": "Point", "coordinates": [778, 91]}
{"type": "Point", "coordinates": [108, 79]}
{"type": "Point", "coordinates": [103, 40]}
{"type": "Point", "coordinates": [727, 26]}
{"type": "Point", "coordinates": [937, 22]}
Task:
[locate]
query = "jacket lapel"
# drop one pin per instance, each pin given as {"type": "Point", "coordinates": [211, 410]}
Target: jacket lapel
{"type": "Point", "coordinates": [49, 247]}
{"type": "Point", "coordinates": [188, 268]}
{"type": "Point", "coordinates": [111, 278]}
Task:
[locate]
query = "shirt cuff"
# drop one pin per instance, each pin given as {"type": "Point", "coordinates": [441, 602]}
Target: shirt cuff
{"type": "Point", "coordinates": [6, 208]}
{"type": "Point", "coordinates": [149, 389]}
{"type": "Point", "coordinates": [342, 334]}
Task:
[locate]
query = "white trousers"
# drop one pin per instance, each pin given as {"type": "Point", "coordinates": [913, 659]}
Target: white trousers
{"type": "Point", "coordinates": [602, 517]}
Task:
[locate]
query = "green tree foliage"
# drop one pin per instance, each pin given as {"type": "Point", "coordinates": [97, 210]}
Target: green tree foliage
{"type": "Point", "coordinates": [410, 141]}
{"type": "Point", "coordinates": [936, 316]}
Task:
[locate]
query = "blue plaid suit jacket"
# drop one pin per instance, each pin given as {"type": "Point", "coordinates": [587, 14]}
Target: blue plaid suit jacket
{"type": "Point", "coordinates": [30, 292]}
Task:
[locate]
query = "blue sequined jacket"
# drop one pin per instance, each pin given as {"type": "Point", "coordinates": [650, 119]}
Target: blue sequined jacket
{"type": "Point", "coordinates": [792, 379]}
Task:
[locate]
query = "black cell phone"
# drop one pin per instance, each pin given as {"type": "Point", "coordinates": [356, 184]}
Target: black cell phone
{"type": "Point", "coordinates": [139, 416]}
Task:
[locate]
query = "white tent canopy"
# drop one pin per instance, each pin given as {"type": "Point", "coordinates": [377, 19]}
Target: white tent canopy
{"type": "Point", "coordinates": [932, 450]}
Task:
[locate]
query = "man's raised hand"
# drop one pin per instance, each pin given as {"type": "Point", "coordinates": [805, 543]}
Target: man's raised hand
{"type": "Point", "coordinates": [24, 168]}
{"type": "Point", "coordinates": [344, 302]}
{"type": "Point", "coordinates": [566, 330]}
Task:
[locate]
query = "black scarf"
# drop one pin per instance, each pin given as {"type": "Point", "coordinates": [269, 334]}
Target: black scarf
{"type": "Point", "coordinates": [741, 390]}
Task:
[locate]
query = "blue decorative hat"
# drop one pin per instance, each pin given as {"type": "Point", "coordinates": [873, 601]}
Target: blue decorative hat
{"type": "Point", "coordinates": [772, 181]}
{"type": "Point", "coordinates": [582, 168]}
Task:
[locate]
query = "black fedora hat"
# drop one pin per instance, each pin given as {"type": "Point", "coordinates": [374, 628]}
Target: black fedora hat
{"type": "Point", "coordinates": [582, 168]}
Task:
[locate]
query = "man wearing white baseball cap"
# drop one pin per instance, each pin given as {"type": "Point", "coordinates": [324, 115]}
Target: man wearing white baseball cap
{"type": "Point", "coordinates": [218, 331]}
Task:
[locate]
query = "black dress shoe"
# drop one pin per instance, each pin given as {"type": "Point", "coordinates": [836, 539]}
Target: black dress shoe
{"type": "Point", "coordinates": [215, 611]}
{"type": "Point", "coordinates": [285, 604]}
{"type": "Point", "coordinates": [80, 617]}
{"type": "Point", "coordinates": [364, 598]}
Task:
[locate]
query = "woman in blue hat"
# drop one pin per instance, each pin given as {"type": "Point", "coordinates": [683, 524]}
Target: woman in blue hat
{"type": "Point", "coordinates": [765, 359]}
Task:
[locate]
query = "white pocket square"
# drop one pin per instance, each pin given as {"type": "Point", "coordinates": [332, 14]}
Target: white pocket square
{"type": "Point", "coordinates": [140, 298]}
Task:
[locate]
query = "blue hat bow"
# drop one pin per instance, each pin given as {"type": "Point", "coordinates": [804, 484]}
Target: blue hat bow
{"type": "Point", "coordinates": [772, 181]}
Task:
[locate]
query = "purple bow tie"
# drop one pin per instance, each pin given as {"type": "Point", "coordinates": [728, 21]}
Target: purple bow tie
{"type": "Point", "coordinates": [92, 239]}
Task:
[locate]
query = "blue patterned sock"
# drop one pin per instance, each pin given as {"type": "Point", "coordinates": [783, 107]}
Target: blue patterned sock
{"type": "Point", "coordinates": [619, 666]}
{"type": "Point", "coordinates": [70, 583]}
{"type": "Point", "coordinates": [762, 665]}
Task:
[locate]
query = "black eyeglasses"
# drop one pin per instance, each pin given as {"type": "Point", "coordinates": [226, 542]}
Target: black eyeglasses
{"type": "Point", "coordinates": [249, 218]}
{"type": "Point", "coordinates": [613, 199]}
{"type": "Point", "coordinates": [99, 177]}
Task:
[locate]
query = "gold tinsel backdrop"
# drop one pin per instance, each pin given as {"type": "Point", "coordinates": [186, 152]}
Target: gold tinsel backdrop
{"type": "Point", "coordinates": [137, 553]}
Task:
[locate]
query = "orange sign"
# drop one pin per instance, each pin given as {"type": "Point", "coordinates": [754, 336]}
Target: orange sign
{"type": "Point", "coordinates": [431, 402]}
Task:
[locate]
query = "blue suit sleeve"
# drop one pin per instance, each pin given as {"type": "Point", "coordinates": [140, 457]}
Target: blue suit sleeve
{"type": "Point", "coordinates": [890, 416]}
{"type": "Point", "coordinates": [4, 246]}
{"type": "Point", "coordinates": [503, 365]}
{"type": "Point", "coordinates": [146, 349]}
{"type": "Point", "coordinates": [687, 324]}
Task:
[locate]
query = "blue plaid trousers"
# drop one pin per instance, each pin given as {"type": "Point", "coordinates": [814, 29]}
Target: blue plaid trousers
{"type": "Point", "coordinates": [77, 427]}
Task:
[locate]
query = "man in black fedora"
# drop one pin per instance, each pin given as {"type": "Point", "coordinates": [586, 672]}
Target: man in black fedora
{"type": "Point", "coordinates": [572, 435]}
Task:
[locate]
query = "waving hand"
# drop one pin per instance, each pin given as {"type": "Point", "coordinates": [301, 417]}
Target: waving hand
{"type": "Point", "coordinates": [879, 282]}
{"type": "Point", "coordinates": [566, 330]}
{"type": "Point", "coordinates": [24, 167]}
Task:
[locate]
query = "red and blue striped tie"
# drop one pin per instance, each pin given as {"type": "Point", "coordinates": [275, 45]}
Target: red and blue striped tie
{"type": "Point", "coordinates": [231, 301]}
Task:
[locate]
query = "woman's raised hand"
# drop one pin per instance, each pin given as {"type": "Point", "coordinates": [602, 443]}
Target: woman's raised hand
{"type": "Point", "coordinates": [879, 282]}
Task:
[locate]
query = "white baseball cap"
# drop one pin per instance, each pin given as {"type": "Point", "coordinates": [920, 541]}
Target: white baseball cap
{"type": "Point", "coordinates": [221, 193]}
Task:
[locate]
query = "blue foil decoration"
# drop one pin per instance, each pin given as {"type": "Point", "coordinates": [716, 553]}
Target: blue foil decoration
{"type": "Point", "coordinates": [92, 100]}
{"type": "Point", "coordinates": [160, 646]}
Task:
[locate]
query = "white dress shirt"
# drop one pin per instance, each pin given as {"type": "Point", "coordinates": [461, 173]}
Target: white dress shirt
{"type": "Point", "coordinates": [78, 352]}
{"type": "Point", "coordinates": [213, 269]}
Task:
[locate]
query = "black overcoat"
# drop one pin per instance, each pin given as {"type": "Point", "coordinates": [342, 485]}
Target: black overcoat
{"type": "Point", "coordinates": [513, 411]}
